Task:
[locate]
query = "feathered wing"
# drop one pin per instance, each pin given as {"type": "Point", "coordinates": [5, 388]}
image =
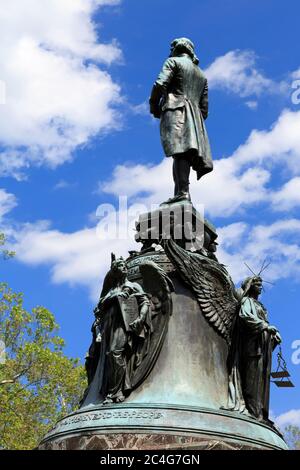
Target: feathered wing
{"type": "Point", "coordinates": [212, 286]}
{"type": "Point", "coordinates": [158, 287]}
{"type": "Point", "coordinates": [157, 283]}
{"type": "Point", "coordinates": [108, 284]}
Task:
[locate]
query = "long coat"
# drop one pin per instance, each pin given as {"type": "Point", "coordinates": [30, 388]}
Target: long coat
{"type": "Point", "coordinates": [180, 98]}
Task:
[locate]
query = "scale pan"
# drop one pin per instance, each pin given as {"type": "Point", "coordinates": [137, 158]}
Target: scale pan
{"type": "Point", "coordinates": [280, 374]}
{"type": "Point", "coordinates": [283, 383]}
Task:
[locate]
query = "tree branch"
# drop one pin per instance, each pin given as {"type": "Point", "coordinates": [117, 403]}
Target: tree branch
{"type": "Point", "coordinates": [16, 377]}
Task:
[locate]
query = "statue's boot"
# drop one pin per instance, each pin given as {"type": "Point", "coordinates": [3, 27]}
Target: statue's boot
{"type": "Point", "coordinates": [181, 196]}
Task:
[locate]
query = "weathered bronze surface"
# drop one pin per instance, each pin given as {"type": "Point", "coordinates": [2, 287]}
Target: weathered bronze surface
{"type": "Point", "coordinates": [179, 400]}
{"type": "Point", "coordinates": [158, 427]}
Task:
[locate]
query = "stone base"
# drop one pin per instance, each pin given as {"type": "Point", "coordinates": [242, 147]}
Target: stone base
{"type": "Point", "coordinates": [154, 427]}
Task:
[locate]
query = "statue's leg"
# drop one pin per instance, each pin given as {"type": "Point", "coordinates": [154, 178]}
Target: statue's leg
{"type": "Point", "coordinates": [175, 176]}
{"type": "Point", "coordinates": [182, 169]}
{"type": "Point", "coordinates": [181, 174]}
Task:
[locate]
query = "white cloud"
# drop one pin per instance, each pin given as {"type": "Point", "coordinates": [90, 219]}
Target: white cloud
{"type": "Point", "coordinates": [152, 179]}
{"type": "Point", "coordinates": [236, 72]}
{"type": "Point", "coordinates": [2, 92]}
{"type": "Point", "coordinates": [278, 242]}
{"type": "Point", "coordinates": [295, 74]}
{"type": "Point", "coordinates": [83, 257]}
{"type": "Point", "coordinates": [280, 144]}
{"type": "Point", "coordinates": [63, 184]}
{"type": "Point", "coordinates": [155, 181]}
{"type": "Point", "coordinates": [141, 109]}
{"type": "Point", "coordinates": [240, 180]}
{"type": "Point", "coordinates": [291, 417]}
{"type": "Point", "coordinates": [252, 104]}
{"type": "Point", "coordinates": [78, 258]}
{"type": "Point", "coordinates": [288, 196]}
{"type": "Point", "coordinates": [7, 202]}
{"type": "Point", "coordinates": [56, 98]}
{"type": "Point", "coordinates": [235, 189]}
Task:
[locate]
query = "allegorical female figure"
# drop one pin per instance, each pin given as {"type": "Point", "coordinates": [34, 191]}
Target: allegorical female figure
{"type": "Point", "coordinates": [179, 99]}
{"type": "Point", "coordinates": [115, 348]}
{"type": "Point", "coordinates": [128, 332]}
{"type": "Point", "coordinates": [253, 344]}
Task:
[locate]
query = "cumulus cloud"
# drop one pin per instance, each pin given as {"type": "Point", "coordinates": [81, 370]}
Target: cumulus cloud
{"type": "Point", "coordinates": [153, 184]}
{"type": "Point", "coordinates": [58, 95]}
{"type": "Point", "coordinates": [238, 181]}
{"type": "Point", "coordinates": [83, 257]}
{"type": "Point", "coordinates": [279, 144]}
{"type": "Point", "coordinates": [288, 196]}
{"type": "Point", "coordinates": [77, 258]}
{"type": "Point", "coordinates": [242, 179]}
{"type": "Point", "coordinates": [149, 179]}
{"type": "Point", "coordinates": [291, 417]}
{"type": "Point", "coordinates": [236, 72]}
{"type": "Point", "coordinates": [7, 202]}
{"type": "Point", "coordinates": [277, 242]}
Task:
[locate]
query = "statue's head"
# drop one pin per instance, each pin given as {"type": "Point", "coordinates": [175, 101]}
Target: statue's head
{"type": "Point", "coordinates": [252, 285]}
{"type": "Point", "coordinates": [118, 266]}
{"type": "Point", "coordinates": [184, 46]}
{"type": "Point", "coordinates": [213, 246]}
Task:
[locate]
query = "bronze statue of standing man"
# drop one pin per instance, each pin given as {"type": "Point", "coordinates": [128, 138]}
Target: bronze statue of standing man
{"type": "Point", "coordinates": [179, 99]}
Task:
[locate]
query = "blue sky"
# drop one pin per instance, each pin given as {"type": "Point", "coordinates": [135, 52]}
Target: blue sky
{"type": "Point", "coordinates": [75, 133]}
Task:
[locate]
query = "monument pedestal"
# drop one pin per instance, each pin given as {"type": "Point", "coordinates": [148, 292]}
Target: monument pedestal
{"type": "Point", "coordinates": [154, 427]}
{"type": "Point", "coordinates": [178, 406]}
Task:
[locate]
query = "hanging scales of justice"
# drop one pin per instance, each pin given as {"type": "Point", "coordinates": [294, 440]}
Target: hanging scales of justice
{"type": "Point", "coordinates": [281, 374]}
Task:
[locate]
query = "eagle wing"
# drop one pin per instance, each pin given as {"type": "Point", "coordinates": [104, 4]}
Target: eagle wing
{"type": "Point", "coordinates": [211, 284]}
{"type": "Point", "coordinates": [159, 287]}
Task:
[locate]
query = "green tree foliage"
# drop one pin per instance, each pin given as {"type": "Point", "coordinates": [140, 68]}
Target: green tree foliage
{"type": "Point", "coordinates": [5, 253]}
{"type": "Point", "coordinates": [38, 383]}
{"type": "Point", "coordinates": [292, 437]}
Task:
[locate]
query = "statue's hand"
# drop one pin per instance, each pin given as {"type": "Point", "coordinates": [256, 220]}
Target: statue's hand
{"type": "Point", "coordinates": [110, 297]}
{"type": "Point", "coordinates": [137, 325]}
{"type": "Point", "coordinates": [98, 338]}
{"type": "Point", "coordinates": [124, 294]}
{"type": "Point", "coordinates": [155, 110]}
{"type": "Point", "coordinates": [272, 329]}
{"type": "Point", "coordinates": [277, 338]}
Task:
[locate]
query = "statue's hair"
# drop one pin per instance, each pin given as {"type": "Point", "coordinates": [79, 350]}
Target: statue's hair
{"type": "Point", "coordinates": [115, 261]}
{"type": "Point", "coordinates": [181, 45]}
{"type": "Point", "coordinates": [111, 277]}
{"type": "Point", "coordinates": [249, 282]}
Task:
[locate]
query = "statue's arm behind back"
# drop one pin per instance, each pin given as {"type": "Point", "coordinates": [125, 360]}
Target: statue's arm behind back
{"type": "Point", "coordinates": [160, 86]}
{"type": "Point", "coordinates": [204, 101]}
